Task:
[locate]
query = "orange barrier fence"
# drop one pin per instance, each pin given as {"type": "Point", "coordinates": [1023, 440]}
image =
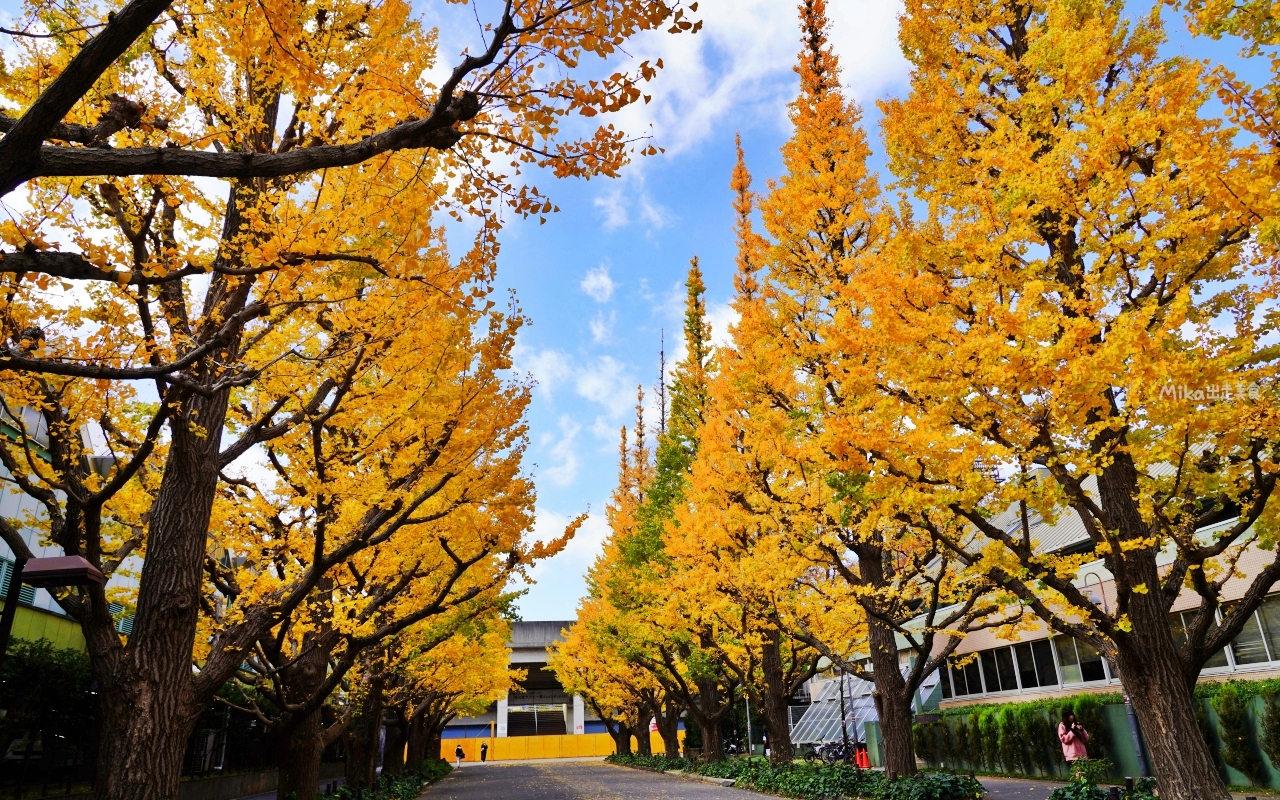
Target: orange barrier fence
{"type": "Point", "coordinates": [518, 748]}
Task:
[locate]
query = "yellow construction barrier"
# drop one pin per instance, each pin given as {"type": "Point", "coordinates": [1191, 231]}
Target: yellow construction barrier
{"type": "Point", "coordinates": [520, 748]}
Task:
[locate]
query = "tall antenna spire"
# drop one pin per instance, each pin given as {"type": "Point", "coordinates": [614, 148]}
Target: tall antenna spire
{"type": "Point", "coordinates": [661, 388]}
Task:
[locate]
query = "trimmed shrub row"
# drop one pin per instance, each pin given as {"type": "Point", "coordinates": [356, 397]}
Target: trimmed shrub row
{"type": "Point", "coordinates": [1240, 720]}
{"type": "Point", "coordinates": [816, 781]}
{"type": "Point", "coordinates": [1011, 738]}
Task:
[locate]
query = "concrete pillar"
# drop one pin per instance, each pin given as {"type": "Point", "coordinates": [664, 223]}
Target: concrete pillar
{"type": "Point", "coordinates": [502, 718]}
{"type": "Point", "coordinates": [579, 715]}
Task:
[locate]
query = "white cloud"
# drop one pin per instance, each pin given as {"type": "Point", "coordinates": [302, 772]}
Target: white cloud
{"type": "Point", "coordinates": [598, 285]}
{"type": "Point", "coordinates": [722, 317]}
{"type": "Point", "coordinates": [604, 381]}
{"type": "Point", "coordinates": [670, 304]}
{"type": "Point", "coordinates": [629, 201]}
{"type": "Point", "coordinates": [602, 328]}
{"type": "Point", "coordinates": [613, 207]}
{"type": "Point", "coordinates": [737, 70]}
{"type": "Point", "coordinates": [653, 213]}
{"type": "Point", "coordinates": [607, 382]}
{"type": "Point", "coordinates": [560, 581]}
{"type": "Point", "coordinates": [565, 470]}
{"type": "Point", "coordinates": [547, 366]}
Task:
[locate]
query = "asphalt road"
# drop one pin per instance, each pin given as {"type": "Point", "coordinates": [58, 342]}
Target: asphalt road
{"type": "Point", "coordinates": [576, 780]}
{"type": "Point", "coordinates": [1012, 789]}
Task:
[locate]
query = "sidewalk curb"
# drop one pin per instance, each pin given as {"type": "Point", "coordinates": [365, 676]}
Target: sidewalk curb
{"type": "Point", "coordinates": [704, 778]}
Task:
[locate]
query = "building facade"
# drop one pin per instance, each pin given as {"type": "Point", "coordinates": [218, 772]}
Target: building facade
{"type": "Point", "coordinates": [541, 707]}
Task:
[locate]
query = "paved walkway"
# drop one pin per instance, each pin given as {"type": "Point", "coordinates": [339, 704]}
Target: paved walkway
{"type": "Point", "coordinates": [1013, 789]}
{"type": "Point", "coordinates": [576, 780]}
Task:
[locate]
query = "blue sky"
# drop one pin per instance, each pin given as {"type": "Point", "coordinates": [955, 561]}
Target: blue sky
{"type": "Point", "coordinates": [603, 278]}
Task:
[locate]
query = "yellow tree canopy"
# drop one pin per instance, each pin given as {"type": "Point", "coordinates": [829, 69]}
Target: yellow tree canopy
{"type": "Point", "coordinates": [151, 80]}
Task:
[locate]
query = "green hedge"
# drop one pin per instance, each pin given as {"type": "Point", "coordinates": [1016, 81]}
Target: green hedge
{"type": "Point", "coordinates": [1240, 721]}
{"type": "Point", "coordinates": [816, 781]}
{"type": "Point", "coordinates": [1013, 738]}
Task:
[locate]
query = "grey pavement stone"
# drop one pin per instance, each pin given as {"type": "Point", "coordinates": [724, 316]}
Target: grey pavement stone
{"type": "Point", "coordinates": [580, 780]}
{"type": "Point", "coordinates": [1014, 789]}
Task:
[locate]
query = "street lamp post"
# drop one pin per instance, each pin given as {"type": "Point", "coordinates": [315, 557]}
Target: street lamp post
{"type": "Point", "coordinates": [844, 731]}
{"type": "Point", "coordinates": [42, 573]}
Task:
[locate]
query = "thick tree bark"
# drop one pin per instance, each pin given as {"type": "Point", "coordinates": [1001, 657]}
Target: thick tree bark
{"type": "Point", "coordinates": [149, 706]}
{"type": "Point", "coordinates": [362, 744]}
{"type": "Point", "coordinates": [773, 703]}
{"type": "Point", "coordinates": [618, 731]}
{"type": "Point", "coordinates": [416, 741]}
{"type": "Point", "coordinates": [893, 700]}
{"type": "Point", "coordinates": [712, 742]}
{"type": "Point", "coordinates": [149, 697]}
{"type": "Point", "coordinates": [1157, 681]}
{"type": "Point", "coordinates": [708, 709]}
{"type": "Point", "coordinates": [640, 730]}
{"type": "Point", "coordinates": [434, 728]}
{"type": "Point", "coordinates": [393, 755]}
{"type": "Point", "coordinates": [298, 752]}
{"type": "Point", "coordinates": [300, 737]}
{"type": "Point", "coordinates": [1180, 759]}
{"type": "Point", "coordinates": [668, 715]}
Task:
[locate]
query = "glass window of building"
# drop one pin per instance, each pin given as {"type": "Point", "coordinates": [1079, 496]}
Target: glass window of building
{"type": "Point", "coordinates": [973, 674]}
{"type": "Point", "coordinates": [1269, 614]}
{"type": "Point", "coordinates": [1091, 666]}
{"type": "Point", "coordinates": [1026, 666]}
{"type": "Point", "coordinates": [1080, 662]}
{"type": "Point", "coordinates": [1248, 647]}
{"type": "Point", "coordinates": [989, 671]}
{"type": "Point", "coordinates": [1004, 664]}
{"type": "Point", "coordinates": [1045, 669]}
{"type": "Point", "coordinates": [1068, 659]}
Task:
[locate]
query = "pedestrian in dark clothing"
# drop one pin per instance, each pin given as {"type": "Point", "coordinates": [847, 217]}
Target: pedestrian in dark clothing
{"type": "Point", "coordinates": [484, 751]}
{"type": "Point", "coordinates": [457, 754]}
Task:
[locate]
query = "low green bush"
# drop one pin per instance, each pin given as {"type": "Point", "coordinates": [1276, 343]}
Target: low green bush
{"type": "Point", "coordinates": [816, 781]}
{"type": "Point", "coordinates": [1085, 775]}
{"type": "Point", "coordinates": [1084, 781]}
{"type": "Point", "coordinates": [930, 786]}
{"type": "Point", "coordinates": [653, 763]}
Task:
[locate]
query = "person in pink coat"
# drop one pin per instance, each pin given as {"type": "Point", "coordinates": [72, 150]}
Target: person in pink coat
{"type": "Point", "coordinates": [1073, 737]}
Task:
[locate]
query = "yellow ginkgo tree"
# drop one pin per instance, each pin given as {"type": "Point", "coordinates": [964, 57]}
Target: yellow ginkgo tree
{"type": "Point", "coordinates": [335, 155]}
{"type": "Point", "coordinates": [1078, 318]}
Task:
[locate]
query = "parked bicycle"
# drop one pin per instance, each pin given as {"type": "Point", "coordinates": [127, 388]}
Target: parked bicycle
{"type": "Point", "coordinates": [832, 753]}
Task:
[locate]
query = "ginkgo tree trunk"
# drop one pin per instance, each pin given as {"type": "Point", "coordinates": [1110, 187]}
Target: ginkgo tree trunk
{"type": "Point", "coordinates": [1076, 312]}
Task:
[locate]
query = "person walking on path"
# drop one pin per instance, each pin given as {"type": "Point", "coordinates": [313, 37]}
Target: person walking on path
{"type": "Point", "coordinates": [1073, 737]}
{"type": "Point", "coordinates": [457, 756]}
{"type": "Point", "coordinates": [484, 751]}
